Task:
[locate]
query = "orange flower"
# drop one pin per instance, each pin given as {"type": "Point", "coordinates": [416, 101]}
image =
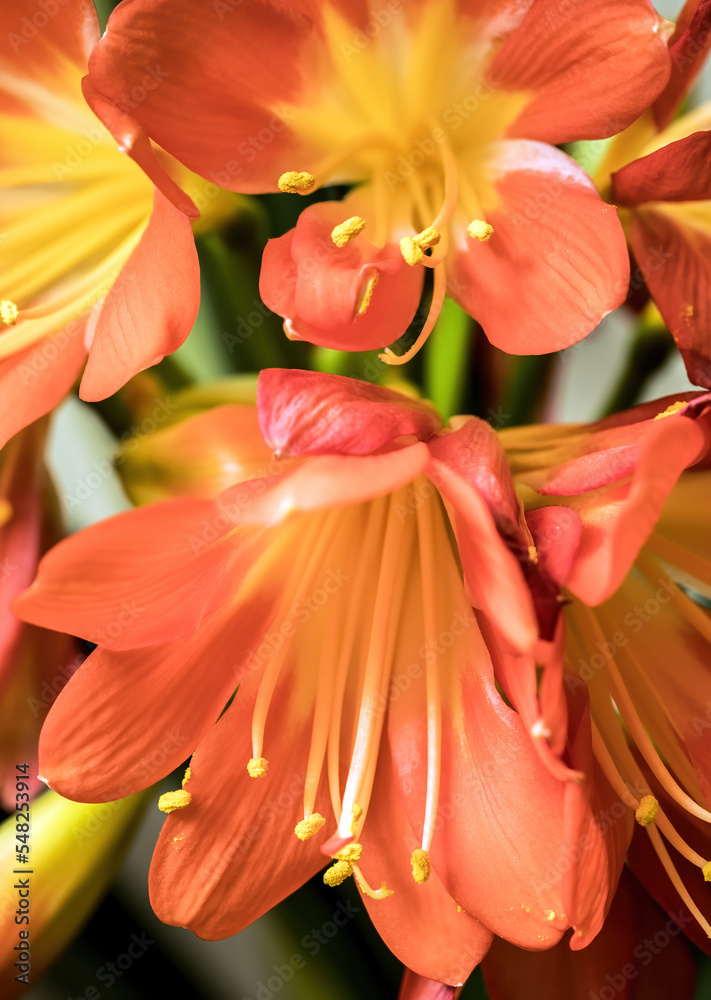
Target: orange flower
{"type": "Point", "coordinates": [366, 724]}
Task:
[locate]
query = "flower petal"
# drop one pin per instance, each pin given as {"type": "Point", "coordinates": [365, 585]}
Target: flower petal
{"type": "Point", "coordinates": [676, 172]}
{"type": "Point", "coordinates": [688, 47]}
{"type": "Point", "coordinates": [590, 71]}
{"type": "Point", "coordinates": [309, 413]}
{"type": "Point", "coordinates": [151, 306]}
{"type": "Point", "coordinates": [554, 240]}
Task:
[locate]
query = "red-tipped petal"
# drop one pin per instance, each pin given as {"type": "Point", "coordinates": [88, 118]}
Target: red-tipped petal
{"type": "Point", "coordinates": [151, 306]}
{"type": "Point", "coordinates": [688, 47]}
{"type": "Point", "coordinates": [678, 171]}
{"type": "Point", "coordinates": [309, 413]}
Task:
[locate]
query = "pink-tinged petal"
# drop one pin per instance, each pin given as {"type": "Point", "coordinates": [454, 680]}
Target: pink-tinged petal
{"type": "Point", "coordinates": [133, 140]}
{"type": "Point", "coordinates": [492, 575]}
{"type": "Point", "coordinates": [320, 289]}
{"type": "Point", "coordinates": [421, 924]}
{"type": "Point", "coordinates": [149, 707]}
{"type": "Point", "coordinates": [556, 533]}
{"type": "Point", "coordinates": [414, 987]}
{"type": "Point", "coordinates": [555, 241]}
{"type": "Point", "coordinates": [675, 257]}
{"type": "Point", "coordinates": [326, 481]}
{"type": "Point", "coordinates": [473, 452]}
{"type": "Point", "coordinates": [678, 171]}
{"type": "Point", "coordinates": [688, 47]}
{"type": "Point", "coordinates": [218, 877]}
{"type": "Point", "coordinates": [33, 381]}
{"type": "Point", "coordinates": [617, 519]}
{"type": "Point", "coordinates": [222, 105]}
{"type": "Point", "coordinates": [499, 833]}
{"type": "Point", "coordinates": [618, 964]}
{"type": "Point", "coordinates": [151, 306]}
{"type": "Point", "coordinates": [146, 576]}
{"type": "Point", "coordinates": [39, 43]}
{"type": "Point", "coordinates": [309, 413]}
{"type": "Point", "coordinates": [590, 71]}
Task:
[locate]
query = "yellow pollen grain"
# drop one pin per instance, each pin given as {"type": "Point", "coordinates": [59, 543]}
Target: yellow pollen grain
{"type": "Point", "coordinates": [350, 853]}
{"type": "Point", "coordinates": [258, 767]}
{"type": "Point", "coordinates": [356, 813]}
{"type": "Point", "coordinates": [689, 311]}
{"type": "Point", "coordinates": [411, 251]}
{"type": "Point", "coordinates": [421, 867]}
{"type": "Point", "coordinates": [532, 554]}
{"type": "Point", "coordinates": [186, 778]}
{"type": "Point", "coordinates": [671, 410]}
{"type": "Point", "coordinates": [366, 294]}
{"type": "Point", "coordinates": [646, 810]}
{"type": "Point", "coordinates": [550, 915]}
{"type": "Point", "coordinates": [337, 873]}
{"type": "Point", "coordinates": [8, 312]}
{"type": "Point", "coordinates": [308, 827]}
{"type": "Point", "coordinates": [706, 871]}
{"type": "Point", "coordinates": [428, 238]}
{"type": "Point", "coordinates": [170, 801]}
{"type": "Point", "coordinates": [480, 230]}
{"type": "Point", "coordinates": [459, 909]}
{"type": "Point", "coordinates": [348, 230]}
{"type": "Point", "coordinates": [297, 182]}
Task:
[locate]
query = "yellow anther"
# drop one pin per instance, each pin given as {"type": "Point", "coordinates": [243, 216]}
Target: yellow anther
{"type": "Point", "coordinates": [706, 871]}
{"type": "Point", "coordinates": [421, 867]}
{"type": "Point", "coordinates": [356, 813]}
{"type": "Point", "coordinates": [338, 873]}
{"type": "Point", "coordinates": [170, 801]}
{"type": "Point", "coordinates": [297, 182]}
{"type": "Point", "coordinates": [366, 294]}
{"type": "Point", "coordinates": [257, 767]}
{"type": "Point", "coordinates": [480, 230]}
{"type": "Point", "coordinates": [411, 251]}
{"type": "Point", "coordinates": [429, 237]}
{"type": "Point", "coordinates": [532, 554]}
{"type": "Point", "coordinates": [8, 312]}
{"type": "Point", "coordinates": [348, 230]}
{"type": "Point", "coordinates": [306, 828]}
{"type": "Point", "coordinates": [382, 893]}
{"type": "Point", "coordinates": [350, 853]}
{"type": "Point", "coordinates": [646, 810]}
{"type": "Point", "coordinates": [670, 410]}
{"type": "Point", "coordinates": [186, 778]}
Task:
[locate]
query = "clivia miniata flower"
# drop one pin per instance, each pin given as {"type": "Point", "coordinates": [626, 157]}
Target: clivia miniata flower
{"type": "Point", "coordinates": [635, 490]}
{"type": "Point", "coordinates": [98, 266]}
{"type": "Point", "coordinates": [443, 118]}
{"type": "Point", "coordinates": [366, 727]}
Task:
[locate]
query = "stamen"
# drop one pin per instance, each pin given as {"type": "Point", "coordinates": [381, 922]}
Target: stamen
{"type": "Point", "coordinates": [366, 294]}
{"type": "Point", "coordinates": [421, 867]}
{"type": "Point", "coordinates": [673, 874]}
{"type": "Point", "coordinates": [670, 410]}
{"type": "Point", "coordinates": [337, 873]}
{"type": "Point", "coordinates": [350, 853]}
{"type": "Point", "coordinates": [532, 554]}
{"type": "Point", "coordinates": [438, 293]}
{"type": "Point", "coordinates": [187, 777]}
{"type": "Point", "coordinates": [411, 251]}
{"type": "Point", "coordinates": [428, 238]}
{"type": "Point", "coordinates": [706, 870]}
{"type": "Point", "coordinates": [297, 182]}
{"type": "Point", "coordinates": [348, 230]}
{"type": "Point", "coordinates": [306, 828]}
{"type": "Point", "coordinates": [356, 813]}
{"type": "Point", "coordinates": [480, 230]}
{"type": "Point", "coordinates": [257, 767]}
{"type": "Point", "coordinates": [8, 312]}
{"type": "Point", "coordinates": [382, 893]}
{"type": "Point", "coordinates": [170, 801]}
{"type": "Point", "coordinates": [646, 811]}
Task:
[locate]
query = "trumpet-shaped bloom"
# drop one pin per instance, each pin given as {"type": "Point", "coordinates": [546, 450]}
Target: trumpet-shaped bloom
{"type": "Point", "coordinates": [444, 114]}
{"type": "Point", "coordinates": [366, 725]}
{"type": "Point", "coordinates": [636, 645]}
{"type": "Point", "coordinates": [96, 263]}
